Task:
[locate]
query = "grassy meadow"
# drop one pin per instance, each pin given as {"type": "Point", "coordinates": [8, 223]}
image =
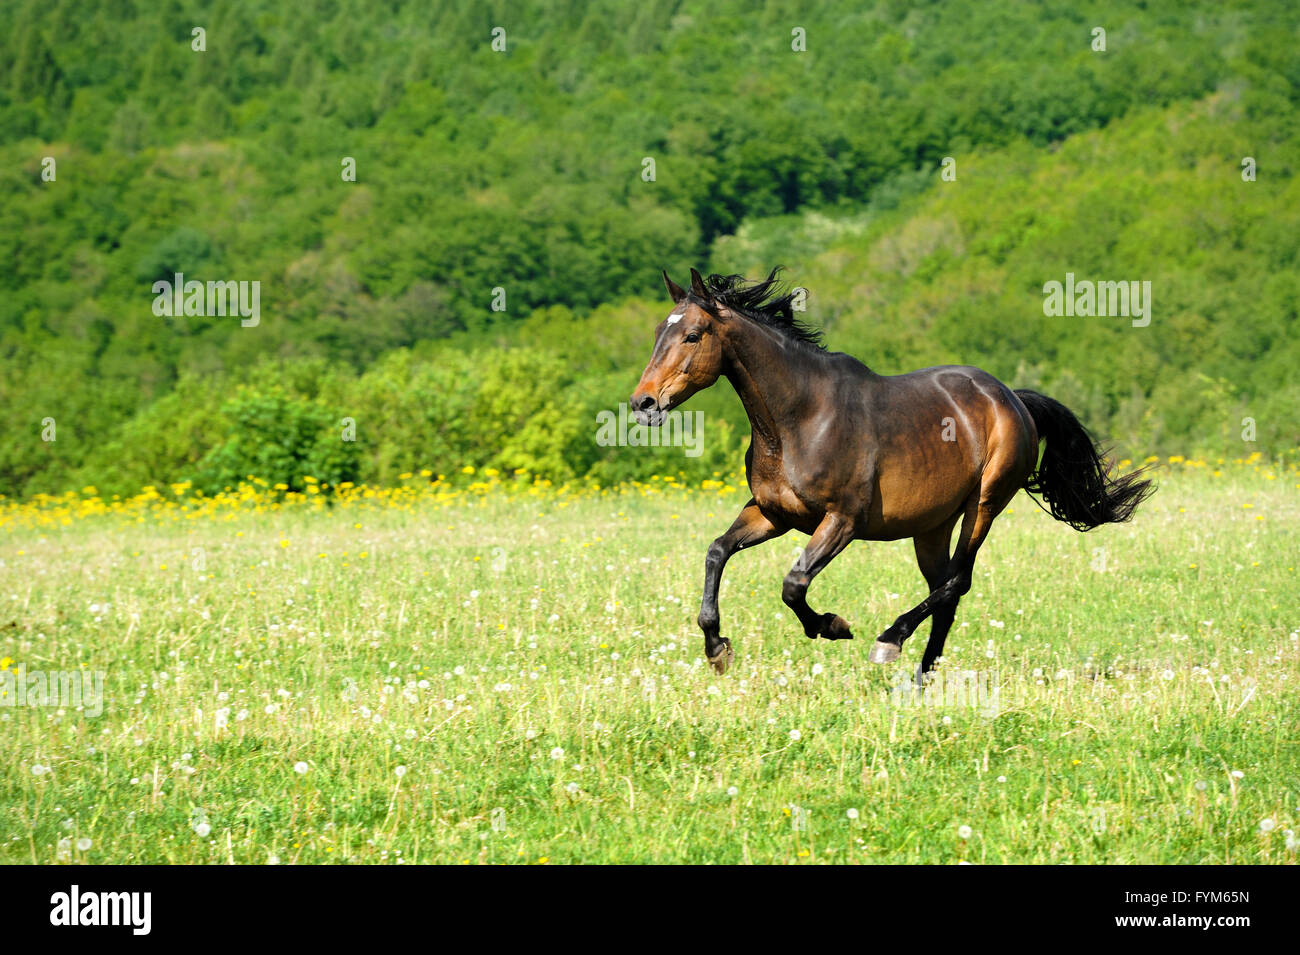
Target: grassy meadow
{"type": "Point", "coordinates": [491, 670]}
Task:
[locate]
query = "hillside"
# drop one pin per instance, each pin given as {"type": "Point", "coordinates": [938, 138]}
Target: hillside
{"type": "Point", "coordinates": [522, 170]}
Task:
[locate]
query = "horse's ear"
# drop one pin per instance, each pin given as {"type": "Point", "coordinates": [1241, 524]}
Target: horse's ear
{"type": "Point", "coordinates": [676, 291]}
{"type": "Point", "coordinates": [697, 286]}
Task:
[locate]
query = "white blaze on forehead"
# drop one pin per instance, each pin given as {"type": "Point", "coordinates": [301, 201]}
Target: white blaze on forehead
{"type": "Point", "coordinates": [675, 317]}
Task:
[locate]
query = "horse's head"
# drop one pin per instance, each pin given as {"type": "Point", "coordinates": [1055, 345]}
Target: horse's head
{"type": "Point", "coordinates": [687, 355]}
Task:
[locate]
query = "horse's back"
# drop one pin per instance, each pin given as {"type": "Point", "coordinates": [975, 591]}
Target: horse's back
{"type": "Point", "coordinates": [966, 391]}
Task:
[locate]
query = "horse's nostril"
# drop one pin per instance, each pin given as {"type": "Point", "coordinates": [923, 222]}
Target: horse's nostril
{"type": "Point", "coordinates": [646, 403]}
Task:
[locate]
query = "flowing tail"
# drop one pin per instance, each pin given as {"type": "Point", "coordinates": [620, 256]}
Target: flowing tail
{"type": "Point", "coordinates": [1072, 476]}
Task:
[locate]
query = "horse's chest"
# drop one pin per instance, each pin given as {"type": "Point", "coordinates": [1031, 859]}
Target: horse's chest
{"type": "Point", "coordinates": [777, 496]}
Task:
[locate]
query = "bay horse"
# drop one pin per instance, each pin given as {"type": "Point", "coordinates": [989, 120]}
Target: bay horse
{"type": "Point", "coordinates": [843, 454]}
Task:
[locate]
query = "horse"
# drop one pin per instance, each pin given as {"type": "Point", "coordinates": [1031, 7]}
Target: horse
{"type": "Point", "coordinates": [841, 453]}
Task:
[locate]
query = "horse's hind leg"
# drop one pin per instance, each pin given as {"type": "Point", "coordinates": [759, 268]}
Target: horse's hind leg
{"type": "Point", "coordinates": [981, 508]}
{"type": "Point", "coordinates": [1011, 451]}
{"type": "Point", "coordinates": [933, 559]}
{"type": "Point", "coordinates": [936, 567]}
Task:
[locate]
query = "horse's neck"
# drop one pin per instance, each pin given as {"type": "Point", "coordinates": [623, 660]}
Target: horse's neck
{"type": "Point", "coordinates": [773, 377]}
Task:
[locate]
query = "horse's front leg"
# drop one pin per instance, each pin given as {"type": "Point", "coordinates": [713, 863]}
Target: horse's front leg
{"type": "Point", "coordinates": [750, 527]}
{"type": "Point", "coordinates": [833, 534]}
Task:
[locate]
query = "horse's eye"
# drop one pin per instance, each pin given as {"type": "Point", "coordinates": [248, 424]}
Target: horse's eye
{"type": "Point", "coordinates": [693, 337]}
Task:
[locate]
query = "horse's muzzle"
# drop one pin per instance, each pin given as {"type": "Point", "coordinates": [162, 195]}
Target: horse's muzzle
{"type": "Point", "coordinates": [646, 410]}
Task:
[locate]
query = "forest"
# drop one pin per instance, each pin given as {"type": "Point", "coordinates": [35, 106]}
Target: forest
{"type": "Point", "coordinates": [457, 215]}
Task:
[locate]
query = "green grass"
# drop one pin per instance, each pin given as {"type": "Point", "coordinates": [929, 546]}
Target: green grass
{"type": "Point", "coordinates": [1137, 668]}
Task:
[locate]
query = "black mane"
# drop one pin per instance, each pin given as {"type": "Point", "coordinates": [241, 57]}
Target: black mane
{"type": "Point", "coordinates": [766, 301]}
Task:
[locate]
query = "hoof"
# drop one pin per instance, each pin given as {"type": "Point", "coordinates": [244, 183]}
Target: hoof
{"type": "Point", "coordinates": [721, 660]}
{"type": "Point", "coordinates": [837, 628]}
{"type": "Point", "coordinates": [882, 652]}
{"type": "Point", "coordinates": [829, 627]}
